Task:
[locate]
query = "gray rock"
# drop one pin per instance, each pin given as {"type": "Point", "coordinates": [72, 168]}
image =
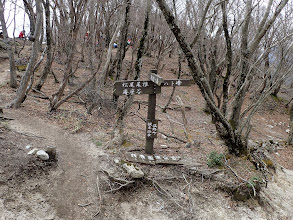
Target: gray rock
{"type": "Point", "coordinates": [42, 155]}
{"type": "Point", "coordinates": [133, 171]}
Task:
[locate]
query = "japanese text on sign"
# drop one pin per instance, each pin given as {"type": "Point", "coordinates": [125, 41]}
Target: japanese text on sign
{"type": "Point", "coordinates": [152, 129]}
{"type": "Point", "coordinates": [172, 83]}
{"type": "Point", "coordinates": [132, 88]}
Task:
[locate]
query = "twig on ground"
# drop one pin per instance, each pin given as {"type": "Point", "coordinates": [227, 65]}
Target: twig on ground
{"type": "Point", "coordinates": [171, 136]}
{"type": "Point", "coordinates": [188, 183]}
{"type": "Point", "coordinates": [43, 94]}
{"type": "Point", "coordinates": [239, 177]}
{"type": "Point", "coordinates": [120, 187]}
{"type": "Point", "coordinates": [119, 181]}
{"type": "Point", "coordinates": [100, 197]}
{"type": "Point", "coordinates": [85, 205]}
{"type": "Point", "coordinates": [163, 192]}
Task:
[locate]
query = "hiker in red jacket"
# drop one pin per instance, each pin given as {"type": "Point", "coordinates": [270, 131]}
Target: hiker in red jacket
{"type": "Point", "coordinates": [22, 33]}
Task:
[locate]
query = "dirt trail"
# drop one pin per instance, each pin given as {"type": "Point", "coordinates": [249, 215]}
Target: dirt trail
{"type": "Point", "coordinates": [72, 183]}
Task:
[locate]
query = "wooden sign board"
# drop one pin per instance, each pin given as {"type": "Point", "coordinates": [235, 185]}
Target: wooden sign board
{"type": "Point", "coordinates": [129, 87]}
{"type": "Point", "coordinates": [177, 82]}
{"type": "Point", "coordinates": [151, 129]}
{"type": "Point", "coordinates": [158, 80]}
{"type": "Point", "coordinates": [153, 159]}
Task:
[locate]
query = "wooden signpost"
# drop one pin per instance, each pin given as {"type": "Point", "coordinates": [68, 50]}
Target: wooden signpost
{"type": "Point", "coordinates": [151, 87]}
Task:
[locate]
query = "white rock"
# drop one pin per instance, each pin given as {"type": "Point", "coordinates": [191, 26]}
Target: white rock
{"type": "Point", "coordinates": [28, 147]}
{"type": "Point", "coordinates": [117, 161]}
{"type": "Point", "coordinates": [33, 151]}
{"type": "Point", "coordinates": [42, 155]}
{"type": "Point", "coordinates": [270, 126]}
{"type": "Point", "coordinates": [288, 130]}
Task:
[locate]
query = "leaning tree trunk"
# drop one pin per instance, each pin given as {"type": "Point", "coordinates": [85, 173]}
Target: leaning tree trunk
{"type": "Point", "coordinates": [290, 139]}
{"type": "Point", "coordinates": [21, 92]}
{"type": "Point", "coordinates": [48, 64]}
{"type": "Point", "coordinates": [233, 140]}
{"type": "Point", "coordinates": [12, 82]}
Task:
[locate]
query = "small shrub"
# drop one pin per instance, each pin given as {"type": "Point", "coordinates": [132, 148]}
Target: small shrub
{"type": "Point", "coordinates": [98, 143]}
{"type": "Point", "coordinates": [215, 159]}
{"type": "Point", "coordinates": [253, 181]}
{"type": "Point", "coordinates": [78, 126]}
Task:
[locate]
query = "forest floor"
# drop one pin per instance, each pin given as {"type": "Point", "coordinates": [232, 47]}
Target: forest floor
{"type": "Point", "coordinates": [81, 184]}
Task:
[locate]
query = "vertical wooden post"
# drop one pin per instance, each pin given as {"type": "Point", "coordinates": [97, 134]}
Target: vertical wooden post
{"type": "Point", "coordinates": [149, 145]}
{"type": "Point", "coordinates": [150, 118]}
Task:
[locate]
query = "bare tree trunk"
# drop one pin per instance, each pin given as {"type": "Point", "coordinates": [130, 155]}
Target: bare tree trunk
{"type": "Point", "coordinates": [245, 55]}
{"type": "Point", "coordinates": [47, 68]}
{"type": "Point", "coordinates": [277, 89]}
{"type": "Point", "coordinates": [12, 82]}
{"type": "Point", "coordinates": [122, 45]}
{"type": "Point", "coordinates": [290, 138]}
{"type": "Point", "coordinates": [174, 87]}
{"type": "Point", "coordinates": [123, 39]}
{"type": "Point", "coordinates": [248, 50]}
{"type": "Point", "coordinates": [31, 14]}
{"type": "Point", "coordinates": [179, 66]}
{"type": "Point", "coordinates": [228, 58]}
{"type": "Point", "coordinates": [21, 92]}
{"type": "Point", "coordinates": [109, 55]}
{"type": "Point", "coordinates": [233, 140]}
{"type": "Point", "coordinates": [76, 14]}
{"type": "Point", "coordinates": [141, 49]}
{"type": "Point", "coordinates": [122, 111]}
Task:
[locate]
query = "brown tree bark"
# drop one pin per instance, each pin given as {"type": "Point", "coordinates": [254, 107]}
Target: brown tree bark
{"type": "Point", "coordinates": [47, 68]}
{"type": "Point", "coordinates": [21, 92]}
{"type": "Point", "coordinates": [141, 48]}
{"type": "Point", "coordinates": [12, 82]}
{"type": "Point", "coordinates": [290, 138]}
{"type": "Point", "coordinates": [122, 45]}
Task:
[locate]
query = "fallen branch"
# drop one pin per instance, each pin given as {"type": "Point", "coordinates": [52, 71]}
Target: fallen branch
{"type": "Point", "coordinates": [100, 197]}
{"type": "Point", "coordinates": [39, 92]}
{"type": "Point", "coordinates": [119, 181]}
{"type": "Point", "coordinates": [163, 192]}
{"type": "Point", "coordinates": [85, 205]}
{"type": "Point", "coordinates": [239, 177]}
{"type": "Point", "coordinates": [171, 136]}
